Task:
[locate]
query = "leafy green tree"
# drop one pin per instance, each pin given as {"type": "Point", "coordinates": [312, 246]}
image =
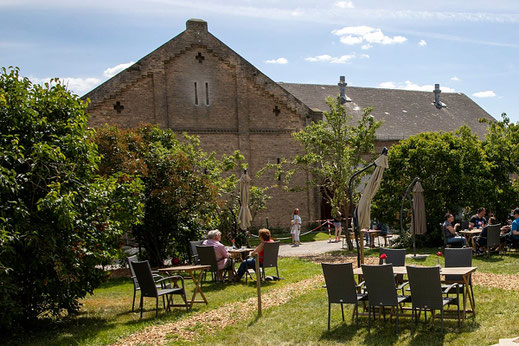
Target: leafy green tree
{"type": "Point", "coordinates": [454, 172]}
{"type": "Point", "coordinates": [333, 149]}
{"type": "Point", "coordinates": [59, 221]}
{"type": "Point", "coordinates": [501, 146]}
{"type": "Point", "coordinates": [184, 186]}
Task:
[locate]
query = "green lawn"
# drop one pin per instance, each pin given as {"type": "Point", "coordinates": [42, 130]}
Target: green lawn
{"type": "Point", "coordinates": [106, 317]}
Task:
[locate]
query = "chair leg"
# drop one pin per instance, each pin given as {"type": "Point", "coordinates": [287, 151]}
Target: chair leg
{"type": "Point", "coordinates": [133, 302]}
{"type": "Point", "coordinates": [141, 304]}
{"type": "Point", "coordinates": [342, 310]}
{"type": "Point", "coordinates": [164, 302]}
{"type": "Point", "coordinates": [369, 317]}
{"type": "Point", "coordinates": [472, 293]}
{"type": "Point", "coordinates": [412, 320]}
{"type": "Point", "coordinates": [157, 307]}
{"type": "Point", "coordinates": [357, 316]}
{"type": "Point", "coordinates": [329, 312]}
{"type": "Point", "coordinates": [442, 319]}
{"type": "Point", "coordinates": [396, 319]}
{"type": "Point", "coordinates": [425, 314]}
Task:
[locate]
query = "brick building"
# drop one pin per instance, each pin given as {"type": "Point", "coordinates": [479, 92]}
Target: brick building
{"type": "Point", "coordinates": [197, 84]}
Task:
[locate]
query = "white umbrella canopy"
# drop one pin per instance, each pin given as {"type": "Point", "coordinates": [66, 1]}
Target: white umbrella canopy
{"type": "Point", "coordinates": [371, 188]}
{"type": "Point", "coordinates": [418, 224]}
{"type": "Point", "coordinates": [244, 217]}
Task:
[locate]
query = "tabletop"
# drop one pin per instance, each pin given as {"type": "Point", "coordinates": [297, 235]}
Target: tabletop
{"type": "Point", "coordinates": [472, 231]}
{"type": "Point", "coordinates": [185, 268]}
{"type": "Point", "coordinates": [443, 270]}
{"type": "Point", "coordinates": [240, 250]}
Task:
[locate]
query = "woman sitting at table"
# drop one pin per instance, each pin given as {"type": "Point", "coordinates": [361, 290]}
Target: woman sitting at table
{"type": "Point", "coordinates": [264, 235]}
{"type": "Point", "coordinates": [481, 241]}
{"type": "Point", "coordinates": [451, 236]}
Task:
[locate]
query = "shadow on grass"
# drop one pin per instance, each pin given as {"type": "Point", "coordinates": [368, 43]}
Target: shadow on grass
{"type": "Point", "coordinates": [67, 331]}
{"type": "Point", "coordinates": [341, 333]}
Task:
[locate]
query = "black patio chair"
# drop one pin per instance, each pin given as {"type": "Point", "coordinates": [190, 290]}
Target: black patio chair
{"type": "Point", "coordinates": [148, 287]}
{"type": "Point", "coordinates": [396, 257]}
{"type": "Point", "coordinates": [427, 293]}
{"type": "Point", "coordinates": [270, 257]}
{"type": "Point", "coordinates": [342, 288]}
{"type": "Point", "coordinates": [459, 258]}
{"type": "Point", "coordinates": [136, 286]}
{"type": "Point", "coordinates": [194, 253]}
{"type": "Point", "coordinates": [493, 238]}
{"type": "Point", "coordinates": [382, 292]}
{"type": "Point", "coordinates": [207, 256]}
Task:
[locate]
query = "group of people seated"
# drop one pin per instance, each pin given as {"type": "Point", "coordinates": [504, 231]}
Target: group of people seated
{"type": "Point", "coordinates": [509, 233]}
{"type": "Point", "coordinates": [223, 257]}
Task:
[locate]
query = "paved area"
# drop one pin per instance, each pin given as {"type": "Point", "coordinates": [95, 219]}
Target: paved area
{"type": "Point", "coordinates": [316, 248]}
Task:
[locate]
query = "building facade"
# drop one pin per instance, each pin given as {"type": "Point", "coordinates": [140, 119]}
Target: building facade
{"type": "Point", "coordinates": [195, 83]}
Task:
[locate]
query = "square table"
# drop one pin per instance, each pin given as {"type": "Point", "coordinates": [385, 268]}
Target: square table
{"type": "Point", "coordinates": [191, 270]}
{"type": "Point", "coordinates": [464, 272]}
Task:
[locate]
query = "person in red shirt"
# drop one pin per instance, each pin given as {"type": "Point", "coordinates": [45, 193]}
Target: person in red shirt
{"type": "Point", "coordinates": [264, 235]}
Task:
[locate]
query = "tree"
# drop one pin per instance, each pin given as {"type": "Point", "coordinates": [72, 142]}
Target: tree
{"type": "Point", "coordinates": [333, 148]}
{"type": "Point", "coordinates": [454, 172]}
{"type": "Point", "coordinates": [501, 146]}
{"type": "Point", "coordinates": [184, 186]}
{"type": "Point", "coordinates": [59, 221]}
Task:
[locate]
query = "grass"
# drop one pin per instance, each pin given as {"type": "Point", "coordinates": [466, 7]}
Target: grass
{"type": "Point", "coordinates": [304, 321]}
{"type": "Point", "coordinates": [105, 316]}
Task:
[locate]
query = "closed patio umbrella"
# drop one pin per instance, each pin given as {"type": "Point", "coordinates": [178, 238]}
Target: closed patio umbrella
{"type": "Point", "coordinates": [371, 188]}
{"type": "Point", "coordinates": [418, 222]}
{"type": "Point", "coordinates": [244, 217]}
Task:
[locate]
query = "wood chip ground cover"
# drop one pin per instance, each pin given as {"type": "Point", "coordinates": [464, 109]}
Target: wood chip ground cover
{"type": "Point", "coordinates": [208, 321]}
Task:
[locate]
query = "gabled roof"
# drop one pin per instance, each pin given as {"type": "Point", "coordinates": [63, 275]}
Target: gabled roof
{"type": "Point", "coordinates": [196, 35]}
{"type": "Point", "coordinates": [403, 112]}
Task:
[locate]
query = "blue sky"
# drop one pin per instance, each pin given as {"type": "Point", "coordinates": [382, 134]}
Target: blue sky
{"type": "Point", "coordinates": [468, 47]}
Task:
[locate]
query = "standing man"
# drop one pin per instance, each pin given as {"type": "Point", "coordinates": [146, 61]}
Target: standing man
{"type": "Point", "coordinates": [478, 220]}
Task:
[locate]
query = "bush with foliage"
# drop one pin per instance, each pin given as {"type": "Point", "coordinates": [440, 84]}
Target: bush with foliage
{"type": "Point", "coordinates": [58, 220]}
{"type": "Point", "coordinates": [457, 175]}
{"type": "Point", "coordinates": [184, 186]}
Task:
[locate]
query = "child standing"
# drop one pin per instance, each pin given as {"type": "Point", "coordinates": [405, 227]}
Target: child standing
{"type": "Point", "coordinates": [297, 226]}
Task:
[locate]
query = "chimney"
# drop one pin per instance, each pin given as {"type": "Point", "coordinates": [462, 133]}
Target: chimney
{"type": "Point", "coordinates": [437, 102]}
{"type": "Point", "coordinates": [342, 90]}
{"type": "Point", "coordinates": [197, 25]}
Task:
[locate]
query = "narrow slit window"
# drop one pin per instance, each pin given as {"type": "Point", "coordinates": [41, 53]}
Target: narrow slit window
{"type": "Point", "coordinates": [207, 93]}
{"type": "Point", "coordinates": [196, 95]}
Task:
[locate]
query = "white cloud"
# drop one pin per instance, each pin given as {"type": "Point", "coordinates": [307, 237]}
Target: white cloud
{"type": "Point", "coordinates": [336, 60]}
{"type": "Point", "coordinates": [387, 85]}
{"type": "Point", "coordinates": [366, 46]}
{"type": "Point", "coordinates": [485, 94]}
{"type": "Point", "coordinates": [79, 86]}
{"type": "Point", "coordinates": [422, 43]}
{"type": "Point", "coordinates": [281, 61]}
{"type": "Point", "coordinates": [112, 71]}
{"type": "Point", "coordinates": [344, 4]}
{"type": "Point", "coordinates": [408, 85]}
{"type": "Point", "coordinates": [352, 35]}
{"type": "Point", "coordinates": [456, 79]}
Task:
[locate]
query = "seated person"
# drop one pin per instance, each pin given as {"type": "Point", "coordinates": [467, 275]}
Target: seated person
{"type": "Point", "coordinates": [481, 241]}
{"type": "Point", "coordinates": [223, 257]}
{"type": "Point", "coordinates": [478, 220]}
{"type": "Point", "coordinates": [514, 231]}
{"type": "Point", "coordinates": [451, 236]}
{"type": "Point", "coordinates": [264, 235]}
